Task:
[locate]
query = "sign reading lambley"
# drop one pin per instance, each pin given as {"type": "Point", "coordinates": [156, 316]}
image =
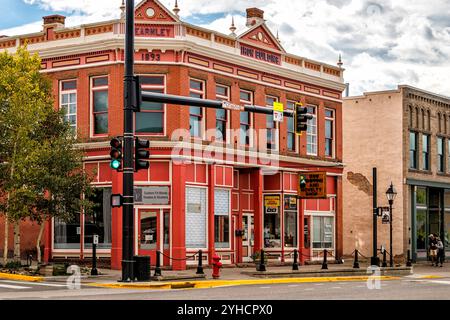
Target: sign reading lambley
{"type": "Point", "coordinates": [152, 195]}
{"type": "Point", "coordinates": [315, 187]}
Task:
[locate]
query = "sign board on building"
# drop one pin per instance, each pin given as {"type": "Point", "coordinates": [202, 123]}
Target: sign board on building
{"type": "Point", "coordinates": [312, 185]}
{"type": "Point", "coordinates": [152, 196]}
{"type": "Point", "coordinates": [290, 202]}
{"type": "Point", "coordinates": [272, 204]}
{"type": "Point", "coordinates": [261, 55]}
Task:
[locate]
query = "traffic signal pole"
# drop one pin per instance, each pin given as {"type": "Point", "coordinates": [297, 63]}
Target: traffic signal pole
{"type": "Point", "coordinates": [128, 138]}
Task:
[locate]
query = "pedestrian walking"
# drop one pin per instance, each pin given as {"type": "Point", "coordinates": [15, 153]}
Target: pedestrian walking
{"type": "Point", "coordinates": [433, 250]}
{"type": "Point", "coordinates": [441, 252]}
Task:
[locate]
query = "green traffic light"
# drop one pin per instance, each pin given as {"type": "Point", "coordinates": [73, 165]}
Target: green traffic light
{"type": "Point", "coordinates": [115, 164]}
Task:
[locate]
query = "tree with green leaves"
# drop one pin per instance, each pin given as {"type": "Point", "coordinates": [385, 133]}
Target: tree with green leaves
{"type": "Point", "coordinates": [41, 169]}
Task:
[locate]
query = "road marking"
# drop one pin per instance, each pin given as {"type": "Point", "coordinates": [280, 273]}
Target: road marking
{"type": "Point", "coordinates": [35, 283]}
{"type": "Point", "coordinates": [336, 288]}
{"type": "Point", "coordinates": [264, 287]}
{"type": "Point", "coordinates": [319, 284]}
{"type": "Point", "coordinates": [7, 286]}
{"type": "Point", "coordinates": [293, 286]}
{"type": "Point", "coordinates": [309, 289]}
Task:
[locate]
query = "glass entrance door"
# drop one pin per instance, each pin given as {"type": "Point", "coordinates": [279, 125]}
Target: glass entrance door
{"type": "Point", "coordinates": [154, 234]}
{"type": "Point", "coordinates": [248, 224]}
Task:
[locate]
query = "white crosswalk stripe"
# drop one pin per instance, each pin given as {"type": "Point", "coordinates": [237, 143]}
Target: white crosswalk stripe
{"type": "Point", "coordinates": [35, 283]}
{"type": "Point", "coordinates": [7, 286]}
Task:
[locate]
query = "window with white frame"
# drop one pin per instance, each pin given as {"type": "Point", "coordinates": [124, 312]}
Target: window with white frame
{"type": "Point", "coordinates": [151, 118]}
{"type": "Point", "coordinates": [246, 98]}
{"type": "Point", "coordinates": [329, 132]}
{"type": "Point", "coordinates": [196, 114]}
{"type": "Point", "coordinates": [196, 220]}
{"type": "Point", "coordinates": [323, 232]}
{"type": "Point", "coordinates": [68, 102]}
{"type": "Point", "coordinates": [272, 134]}
{"type": "Point", "coordinates": [222, 210]}
{"type": "Point", "coordinates": [222, 94]}
{"type": "Point", "coordinates": [99, 94]}
{"type": "Point", "coordinates": [311, 134]}
{"type": "Point", "coordinates": [291, 137]}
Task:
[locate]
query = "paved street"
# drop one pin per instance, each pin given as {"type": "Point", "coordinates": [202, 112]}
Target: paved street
{"type": "Point", "coordinates": [418, 286]}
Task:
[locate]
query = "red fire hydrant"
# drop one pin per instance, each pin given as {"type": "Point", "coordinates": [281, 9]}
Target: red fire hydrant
{"type": "Point", "coordinates": [217, 265]}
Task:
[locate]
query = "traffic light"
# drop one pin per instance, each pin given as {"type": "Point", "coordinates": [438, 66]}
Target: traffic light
{"type": "Point", "coordinates": [116, 154]}
{"type": "Point", "coordinates": [302, 182]}
{"type": "Point", "coordinates": [141, 155]}
{"type": "Point", "coordinates": [301, 118]}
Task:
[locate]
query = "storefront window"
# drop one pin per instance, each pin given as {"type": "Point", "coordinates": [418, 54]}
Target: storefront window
{"type": "Point", "coordinates": [196, 228]}
{"type": "Point", "coordinates": [99, 222]}
{"type": "Point", "coordinates": [166, 230]}
{"type": "Point", "coordinates": [290, 221]}
{"type": "Point", "coordinates": [222, 218]}
{"type": "Point", "coordinates": [149, 230]}
{"type": "Point", "coordinates": [421, 226]}
{"type": "Point", "coordinates": [67, 234]}
{"type": "Point", "coordinates": [272, 219]}
{"type": "Point", "coordinates": [447, 219]}
{"type": "Point", "coordinates": [323, 232]}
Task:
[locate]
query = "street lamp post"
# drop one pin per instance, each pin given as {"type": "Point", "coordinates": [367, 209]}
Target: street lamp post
{"type": "Point", "coordinates": [391, 193]}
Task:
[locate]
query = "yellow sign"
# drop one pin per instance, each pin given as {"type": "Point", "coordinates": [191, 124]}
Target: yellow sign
{"type": "Point", "coordinates": [312, 185]}
{"type": "Point", "coordinates": [272, 201]}
{"type": "Point", "coordinates": [278, 106]}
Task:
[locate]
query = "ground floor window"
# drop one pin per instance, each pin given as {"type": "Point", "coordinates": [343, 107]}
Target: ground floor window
{"type": "Point", "coordinates": [222, 218]}
{"type": "Point", "coordinates": [290, 221]}
{"type": "Point", "coordinates": [196, 226]}
{"type": "Point", "coordinates": [323, 232]}
{"type": "Point", "coordinates": [272, 221]}
{"type": "Point", "coordinates": [99, 222]}
{"type": "Point", "coordinates": [67, 235]}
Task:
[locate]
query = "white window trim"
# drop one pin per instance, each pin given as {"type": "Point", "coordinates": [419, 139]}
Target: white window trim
{"type": "Point", "coordinates": [251, 116]}
{"type": "Point", "coordinates": [333, 119]}
{"type": "Point", "coordinates": [206, 222]}
{"type": "Point", "coordinates": [228, 123]}
{"type": "Point", "coordinates": [315, 134]}
{"type": "Point", "coordinates": [91, 104]}
{"type": "Point", "coordinates": [164, 108]}
{"type": "Point", "coordinates": [203, 121]}
{"type": "Point", "coordinates": [68, 92]}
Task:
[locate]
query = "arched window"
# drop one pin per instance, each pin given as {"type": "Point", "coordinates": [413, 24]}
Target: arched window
{"type": "Point", "coordinates": [439, 123]}
{"type": "Point", "coordinates": [423, 119]}
{"type": "Point", "coordinates": [417, 118]}
{"type": "Point", "coordinates": [410, 116]}
{"type": "Point", "coordinates": [445, 124]}
{"type": "Point", "coordinates": [428, 120]}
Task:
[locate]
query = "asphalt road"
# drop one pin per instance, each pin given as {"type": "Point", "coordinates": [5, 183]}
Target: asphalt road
{"type": "Point", "coordinates": [407, 288]}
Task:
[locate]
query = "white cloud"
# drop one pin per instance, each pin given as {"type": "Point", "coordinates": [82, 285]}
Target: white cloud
{"type": "Point", "coordinates": [383, 42]}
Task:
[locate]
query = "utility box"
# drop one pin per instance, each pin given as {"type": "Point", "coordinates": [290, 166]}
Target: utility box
{"type": "Point", "coordinates": [142, 268]}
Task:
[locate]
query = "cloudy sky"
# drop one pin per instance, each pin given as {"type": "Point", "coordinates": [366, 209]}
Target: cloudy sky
{"type": "Point", "coordinates": [383, 42]}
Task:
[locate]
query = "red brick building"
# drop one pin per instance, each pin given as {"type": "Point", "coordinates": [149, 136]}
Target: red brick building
{"type": "Point", "coordinates": [231, 189]}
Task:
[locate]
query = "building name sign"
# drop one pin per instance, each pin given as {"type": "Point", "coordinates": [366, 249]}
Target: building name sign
{"type": "Point", "coordinates": [260, 55]}
{"type": "Point", "coordinates": [152, 196]}
{"type": "Point", "coordinates": [313, 185]}
{"type": "Point", "coordinates": [154, 31]}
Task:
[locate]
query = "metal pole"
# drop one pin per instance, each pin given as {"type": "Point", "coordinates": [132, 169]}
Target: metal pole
{"type": "Point", "coordinates": [391, 258]}
{"type": "Point", "coordinates": [128, 170]}
{"type": "Point", "coordinates": [295, 265]}
{"type": "Point", "coordinates": [94, 271]}
{"type": "Point", "coordinates": [375, 261]}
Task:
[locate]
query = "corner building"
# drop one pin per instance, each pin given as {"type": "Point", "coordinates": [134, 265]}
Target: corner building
{"type": "Point", "coordinates": [231, 189]}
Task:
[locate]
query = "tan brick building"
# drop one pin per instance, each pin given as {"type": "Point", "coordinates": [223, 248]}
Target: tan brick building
{"type": "Point", "coordinates": [405, 134]}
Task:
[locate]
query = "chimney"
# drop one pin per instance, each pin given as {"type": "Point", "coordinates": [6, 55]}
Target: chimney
{"type": "Point", "coordinates": [254, 16]}
{"type": "Point", "coordinates": [56, 21]}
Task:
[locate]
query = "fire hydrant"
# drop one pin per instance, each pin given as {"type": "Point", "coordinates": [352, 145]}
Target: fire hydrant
{"type": "Point", "coordinates": [217, 265]}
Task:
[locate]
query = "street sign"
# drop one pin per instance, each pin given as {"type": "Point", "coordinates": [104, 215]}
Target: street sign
{"type": "Point", "coordinates": [385, 215]}
{"type": "Point", "coordinates": [313, 185]}
{"type": "Point", "coordinates": [231, 106]}
{"type": "Point", "coordinates": [95, 239]}
{"type": "Point", "coordinates": [278, 110]}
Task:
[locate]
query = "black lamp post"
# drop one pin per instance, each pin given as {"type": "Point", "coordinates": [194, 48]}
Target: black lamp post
{"type": "Point", "coordinates": [391, 193]}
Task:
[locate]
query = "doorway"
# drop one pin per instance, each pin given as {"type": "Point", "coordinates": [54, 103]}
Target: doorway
{"type": "Point", "coordinates": [248, 239]}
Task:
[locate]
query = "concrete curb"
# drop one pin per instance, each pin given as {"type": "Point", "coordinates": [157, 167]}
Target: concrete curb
{"type": "Point", "coordinates": [20, 277]}
{"type": "Point", "coordinates": [223, 283]}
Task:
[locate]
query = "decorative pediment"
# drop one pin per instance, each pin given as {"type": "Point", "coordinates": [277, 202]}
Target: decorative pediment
{"type": "Point", "coordinates": [153, 10]}
{"type": "Point", "coordinates": [261, 36]}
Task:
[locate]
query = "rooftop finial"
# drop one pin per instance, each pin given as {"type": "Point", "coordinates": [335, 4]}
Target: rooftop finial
{"type": "Point", "coordinates": [232, 28]}
{"type": "Point", "coordinates": [278, 37]}
{"type": "Point", "coordinates": [122, 9]}
{"type": "Point", "coordinates": [176, 10]}
{"type": "Point", "coordinates": [340, 63]}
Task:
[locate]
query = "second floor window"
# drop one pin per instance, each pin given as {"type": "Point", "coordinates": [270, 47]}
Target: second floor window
{"type": "Point", "coordinates": [290, 128]}
{"type": "Point", "coordinates": [68, 102]}
{"type": "Point", "coordinates": [311, 134]}
{"type": "Point", "coordinates": [246, 98]}
{"type": "Point", "coordinates": [197, 90]}
{"type": "Point", "coordinates": [271, 125]}
{"type": "Point", "coordinates": [100, 105]}
{"type": "Point", "coordinates": [413, 150]}
{"type": "Point", "coordinates": [151, 118]}
{"type": "Point", "coordinates": [425, 152]}
{"type": "Point", "coordinates": [329, 133]}
{"type": "Point", "coordinates": [222, 94]}
{"type": "Point", "coordinates": [440, 152]}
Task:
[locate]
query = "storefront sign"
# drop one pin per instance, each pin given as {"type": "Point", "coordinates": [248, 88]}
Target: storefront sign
{"type": "Point", "coordinates": [290, 202]}
{"type": "Point", "coordinates": [260, 55]}
{"type": "Point", "coordinates": [313, 185]}
{"type": "Point", "coordinates": [152, 195]}
{"type": "Point", "coordinates": [272, 201]}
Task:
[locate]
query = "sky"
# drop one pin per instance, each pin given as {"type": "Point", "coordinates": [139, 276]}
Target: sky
{"type": "Point", "coordinates": [383, 43]}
